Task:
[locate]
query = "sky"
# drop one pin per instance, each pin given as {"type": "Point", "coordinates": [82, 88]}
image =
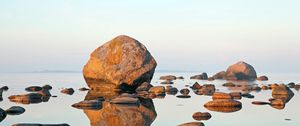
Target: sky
{"type": "Point", "coordinates": [194, 35]}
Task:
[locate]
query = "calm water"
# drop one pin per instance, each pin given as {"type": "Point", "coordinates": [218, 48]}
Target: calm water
{"type": "Point", "coordinates": [170, 110]}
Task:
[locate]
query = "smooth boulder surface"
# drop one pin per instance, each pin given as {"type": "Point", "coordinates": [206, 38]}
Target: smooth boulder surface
{"type": "Point", "coordinates": [223, 103]}
{"type": "Point", "coordinates": [282, 90]}
{"type": "Point", "coordinates": [220, 75]}
{"type": "Point", "coordinates": [241, 71]}
{"type": "Point", "coordinates": [123, 63]}
{"type": "Point", "coordinates": [201, 116]}
{"type": "Point", "coordinates": [202, 76]}
{"type": "Point", "coordinates": [168, 77]}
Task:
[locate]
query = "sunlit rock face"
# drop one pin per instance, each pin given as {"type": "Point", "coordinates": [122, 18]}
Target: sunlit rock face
{"type": "Point", "coordinates": [142, 114]}
{"type": "Point", "coordinates": [122, 63]}
{"type": "Point", "coordinates": [241, 71]}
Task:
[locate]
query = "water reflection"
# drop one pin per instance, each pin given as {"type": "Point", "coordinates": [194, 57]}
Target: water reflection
{"type": "Point", "coordinates": [141, 114]}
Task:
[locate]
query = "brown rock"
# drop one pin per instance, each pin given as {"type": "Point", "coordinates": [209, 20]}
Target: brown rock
{"type": "Point", "coordinates": [260, 103]}
{"type": "Point", "coordinates": [47, 87]}
{"type": "Point", "coordinates": [241, 71]}
{"type": "Point", "coordinates": [281, 90]}
{"type": "Point", "coordinates": [229, 84]}
{"type": "Point", "coordinates": [168, 77]}
{"type": "Point", "coordinates": [196, 85]}
{"type": "Point", "coordinates": [183, 96]}
{"type": "Point", "coordinates": [207, 89]}
{"type": "Point", "coordinates": [185, 91]}
{"type": "Point", "coordinates": [83, 89]}
{"type": "Point", "coordinates": [26, 98]}
{"type": "Point", "coordinates": [144, 87]}
{"type": "Point", "coordinates": [220, 75]}
{"type": "Point", "coordinates": [157, 90]}
{"type": "Point", "coordinates": [221, 95]}
{"type": "Point", "coordinates": [180, 78]}
{"type": "Point", "coordinates": [202, 76]}
{"type": "Point", "coordinates": [68, 91]}
{"type": "Point", "coordinates": [223, 103]}
{"type": "Point", "coordinates": [88, 104]}
{"type": "Point", "coordinates": [278, 104]}
{"type": "Point", "coordinates": [236, 95]}
{"type": "Point", "coordinates": [201, 116]}
{"type": "Point", "coordinates": [122, 63]}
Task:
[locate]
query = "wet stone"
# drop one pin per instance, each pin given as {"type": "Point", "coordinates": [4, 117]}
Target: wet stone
{"type": "Point", "coordinates": [15, 110]}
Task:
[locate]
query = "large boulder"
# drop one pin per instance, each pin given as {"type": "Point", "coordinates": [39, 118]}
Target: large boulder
{"type": "Point", "coordinates": [123, 62]}
{"type": "Point", "coordinates": [241, 71]}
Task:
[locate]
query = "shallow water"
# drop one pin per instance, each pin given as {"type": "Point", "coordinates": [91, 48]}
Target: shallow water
{"type": "Point", "coordinates": [170, 110]}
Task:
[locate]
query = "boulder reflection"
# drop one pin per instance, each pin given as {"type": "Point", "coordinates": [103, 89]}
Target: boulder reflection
{"type": "Point", "coordinates": [141, 114]}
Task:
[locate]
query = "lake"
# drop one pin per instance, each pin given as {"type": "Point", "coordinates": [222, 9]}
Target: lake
{"type": "Point", "coordinates": [170, 110]}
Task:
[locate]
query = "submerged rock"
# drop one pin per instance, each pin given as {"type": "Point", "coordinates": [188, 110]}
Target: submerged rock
{"type": "Point", "coordinates": [262, 78]}
{"type": "Point", "coordinates": [229, 84]}
{"type": "Point", "coordinates": [88, 104]}
{"type": "Point", "coordinates": [83, 89]}
{"type": "Point", "coordinates": [192, 124]}
{"type": "Point", "coordinates": [183, 96]}
{"type": "Point", "coordinates": [122, 63]}
{"type": "Point", "coordinates": [68, 91]}
{"type": "Point", "coordinates": [241, 71]}
{"type": "Point", "coordinates": [185, 91]}
{"type": "Point", "coordinates": [168, 77]}
{"type": "Point", "coordinates": [202, 76]}
{"type": "Point", "coordinates": [167, 82]}
{"type": "Point", "coordinates": [2, 114]}
{"type": "Point", "coordinates": [260, 103]}
{"type": "Point", "coordinates": [34, 88]}
{"type": "Point", "coordinates": [26, 98]}
{"type": "Point", "coordinates": [201, 116]}
{"type": "Point", "coordinates": [15, 110]}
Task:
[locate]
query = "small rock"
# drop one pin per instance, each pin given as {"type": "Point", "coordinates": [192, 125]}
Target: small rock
{"type": "Point", "coordinates": [236, 95]}
{"type": "Point", "coordinates": [15, 110]}
{"type": "Point", "coordinates": [68, 91]}
{"type": "Point", "coordinates": [157, 90]}
{"type": "Point", "coordinates": [201, 116]}
{"type": "Point", "coordinates": [281, 90]}
{"type": "Point", "coordinates": [260, 103]}
{"type": "Point", "coordinates": [27, 98]}
{"type": "Point", "coordinates": [210, 79]}
{"type": "Point", "coordinates": [171, 90]}
{"type": "Point", "coordinates": [183, 96]}
{"type": "Point", "coordinates": [83, 89]}
{"type": "Point", "coordinates": [247, 95]}
{"type": "Point", "coordinates": [264, 87]}
{"type": "Point", "coordinates": [192, 124]}
{"type": "Point", "coordinates": [202, 76]}
{"type": "Point", "coordinates": [262, 78]}
{"type": "Point", "coordinates": [88, 104]}
{"type": "Point", "coordinates": [168, 77]}
{"type": "Point", "coordinates": [124, 100]}
{"type": "Point", "coordinates": [180, 78]}
{"type": "Point", "coordinates": [185, 91]}
{"type": "Point", "coordinates": [143, 87]}
{"type": "Point", "coordinates": [5, 88]}
{"type": "Point", "coordinates": [297, 87]}
{"type": "Point", "coordinates": [278, 104]}
{"type": "Point", "coordinates": [196, 86]}
{"type": "Point", "coordinates": [34, 88]}
{"type": "Point", "coordinates": [229, 84]}
{"type": "Point", "coordinates": [167, 82]}
{"type": "Point", "coordinates": [207, 89]}
{"type": "Point", "coordinates": [223, 103]}
{"type": "Point", "coordinates": [47, 87]}
{"type": "Point", "coordinates": [221, 95]}
{"type": "Point", "coordinates": [292, 85]}
{"type": "Point", "coordinates": [2, 114]}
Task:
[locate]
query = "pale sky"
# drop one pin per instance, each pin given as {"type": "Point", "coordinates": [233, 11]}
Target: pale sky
{"type": "Point", "coordinates": [183, 35]}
